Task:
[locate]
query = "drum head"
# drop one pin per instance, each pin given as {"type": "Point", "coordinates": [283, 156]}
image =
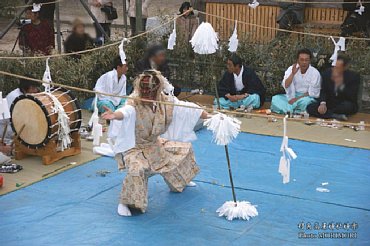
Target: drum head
{"type": "Point", "coordinates": [28, 111]}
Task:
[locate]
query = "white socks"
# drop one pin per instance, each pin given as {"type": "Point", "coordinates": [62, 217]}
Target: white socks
{"type": "Point", "coordinates": [191, 184]}
{"type": "Point", "coordinates": [123, 210]}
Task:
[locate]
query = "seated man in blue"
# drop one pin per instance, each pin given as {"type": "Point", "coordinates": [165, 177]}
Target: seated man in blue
{"type": "Point", "coordinates": [302, 84]}
{"type": "Point", "coordinates": [112, 82]}
{"type": "Point", "coordinates": [339, 92]}
{"type": "Point", "coordinates": [239, 86]}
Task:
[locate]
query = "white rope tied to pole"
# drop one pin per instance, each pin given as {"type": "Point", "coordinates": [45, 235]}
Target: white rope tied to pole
{"type": "Point", "coordinates": [287, 155]}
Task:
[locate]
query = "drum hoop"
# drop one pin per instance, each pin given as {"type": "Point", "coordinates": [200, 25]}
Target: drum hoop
{"type": "Point", "coordinates": [78, 106]}
{"type": "Point", "coordinates": [47, 139]}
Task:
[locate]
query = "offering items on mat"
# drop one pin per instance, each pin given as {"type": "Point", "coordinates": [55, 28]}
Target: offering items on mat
{"type": "Point", "coordinates": [10, 168]}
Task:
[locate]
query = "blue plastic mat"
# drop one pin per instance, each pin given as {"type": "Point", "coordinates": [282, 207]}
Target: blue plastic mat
{"type": "Point", "coordinates": [78, 207]}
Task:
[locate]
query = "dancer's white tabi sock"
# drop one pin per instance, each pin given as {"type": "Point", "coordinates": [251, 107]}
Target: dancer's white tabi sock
{"type": "Point", "coordinates": [191, 184]}
{"type": "Point", "coordinates": [123, 210]}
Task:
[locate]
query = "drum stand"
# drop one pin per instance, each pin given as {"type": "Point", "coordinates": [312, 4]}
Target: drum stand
{"type": "Point", "coordinates": [49, 152]}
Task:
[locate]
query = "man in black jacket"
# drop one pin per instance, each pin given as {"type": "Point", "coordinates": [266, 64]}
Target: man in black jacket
{"type": "Point", "coordinates": [239, 86]}
{"type": "Point", "coordinates": [339, 91]}
{"type": "Point", "coordinates": [155, 58]}
{"type": "Point", "coordinates": [356, 20]}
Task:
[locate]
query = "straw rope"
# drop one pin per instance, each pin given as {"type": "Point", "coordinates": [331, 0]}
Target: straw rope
{"type": "Point", "coordinates": [169, 22]}
{"type": "Point", "coordinates": [211, 110]}
{"type": "Point", "coordinates": [283, 30]}
{"type": "Point", "coordinates": [30, 5]}
{"type": "Point", "coordinates": [93, 49]}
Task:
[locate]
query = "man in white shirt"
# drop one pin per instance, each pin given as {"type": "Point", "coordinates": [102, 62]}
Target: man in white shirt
{"type": "Point", "coordinates": [240, 86]}
{"type": "Point", "coordinates": [112, 82]}
{"type": "Point", "coordinates": [302, 84]}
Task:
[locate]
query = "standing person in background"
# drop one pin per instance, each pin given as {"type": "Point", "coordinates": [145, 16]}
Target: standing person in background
{"type": "Point", "coordinates": [187, 24]}
{"type": "Point", "coordinates": [132, 14]}
{"type": "Point", "coordinates": [38, 36]}
{"type": "Point", "coordinates": [290, 14]}
{"type": "Point", "coordinates": [95, 7]}
{"type": "Point", "coordinates": [79, 40]}
{"type": "Point", "coordinates": [47, 10]}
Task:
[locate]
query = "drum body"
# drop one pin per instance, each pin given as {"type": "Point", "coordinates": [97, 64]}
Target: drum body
{"type": "Point", "coordinates": [32, 116]}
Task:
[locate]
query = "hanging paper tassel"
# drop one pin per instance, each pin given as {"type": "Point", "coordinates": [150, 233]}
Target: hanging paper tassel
{"type": "Point", "coordinates": [224, 128]}
{"type": "Point", "coordinates": [47, 77]}
{"type": "Point", "coordinates": [241, 210]}
{"type": "Point", "coordinates": [97, 128]}
{"type": "Point", "coordinates": [338, 46]}
{"type": "Point", "coordinates": [361, 9]}
{"type": "Point", "coordinates": [254, 4]}
{"type": "Point", "coordinates": [204, 40]}
{"type": "Point", "coordinates": [122, 53]}
{"type": "Point", "coordinates": [287, 155]}
{"type": "Point", "coordinates": [233, 41]}
{"type": "Point", "coordinates": [172, 38]}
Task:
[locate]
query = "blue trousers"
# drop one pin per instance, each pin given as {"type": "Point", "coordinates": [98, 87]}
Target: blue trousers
{"type": "Point", "coordinates": [251, 100]}
{"type": "Point", "coordinates": [109, 104]}
{"type": "Point", "coordinates": [280, 104]}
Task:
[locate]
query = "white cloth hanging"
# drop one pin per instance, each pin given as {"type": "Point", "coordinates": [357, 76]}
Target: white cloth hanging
{"type": "Point", "coordinates": [338, 46]}
{"type": "Point", "coordinates": [172, 39]}
{"type": "Point", "coordinates": [361, 9]}
{"type": "Point", "coordinates": [4, 108]}
{"type": "Point", "coordinates": [254, 4]}
{"type": "Point", "coordinates": [122, 53]}
{"type": "Point", "coordinates": [97, 128]}
{"type": "Point", "coordinates": [233, 41]}
{"type": "Point", "coordinates": [205, 39]}
{"type": "Point", "coordinates": [64, 139]}
{"type": "Point", "coordinates": [287, 155]}
{"type": "Point", "coordinates": [47, 76]}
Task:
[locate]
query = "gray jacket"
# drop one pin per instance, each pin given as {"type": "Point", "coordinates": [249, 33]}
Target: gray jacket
{"type": "Point", "coordinates": [297, 8]}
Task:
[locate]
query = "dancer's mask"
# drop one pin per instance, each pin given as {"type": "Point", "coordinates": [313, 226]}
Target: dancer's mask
{"type": "Point", "coordinates": [149, 84]}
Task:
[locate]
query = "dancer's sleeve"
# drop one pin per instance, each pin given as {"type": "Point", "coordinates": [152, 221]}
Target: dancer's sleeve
{"type": "Point", "coordinates": [122, 132]}
{"type": "Point", "coordinates": [183, 122]}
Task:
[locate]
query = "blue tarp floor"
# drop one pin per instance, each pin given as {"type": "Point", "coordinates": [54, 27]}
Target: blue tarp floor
{"type": "Point", "coordinates": [78, 207]}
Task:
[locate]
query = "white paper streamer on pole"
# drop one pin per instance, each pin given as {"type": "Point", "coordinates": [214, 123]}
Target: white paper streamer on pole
{"type": "Point", "coordinates": [287, 155]}
{"type": "Point", "coordinates": [241, 210]}
{"type": "Point", "coordinates": [204, 40]}
{"type": "Point", "coordinates": [254, 4]}
{"type": "Point", "coordinates": [47, 76]}
{"type": "Point", "coordinates": [224, 128]}
{"type": "Point", "coordinates": [233, 41]}
{"type": "Point", "coordinates": [122, 53]}
{"type": "Point", "coordinates": [97, 128]}
{"type": "Point", "coordinates": [64, 131]}
{"type": "Point", "coordinates": [4, 108]}
{"type": "Point", "coordinates": [168, 87]}
{"type": "Point", "coordinates": [172, 39]}
{"type": "Point", "coordinates": [361, 9]}
{"type": "Point", "coordinates": [338, 46]}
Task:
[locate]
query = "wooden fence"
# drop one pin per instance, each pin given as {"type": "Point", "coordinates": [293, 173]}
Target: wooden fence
{"type": "Point", "coordinates": [319, 20]}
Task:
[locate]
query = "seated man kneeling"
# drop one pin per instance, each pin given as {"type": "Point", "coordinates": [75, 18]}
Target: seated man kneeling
{"type": "Point", "coordinates": [112, 82]}
{"type": "Point", "coordinates": [339, 91]}
{"type": "Point", "coordinates": [302, 85]}
{"type": "Point", "coordinates": [239, 86]}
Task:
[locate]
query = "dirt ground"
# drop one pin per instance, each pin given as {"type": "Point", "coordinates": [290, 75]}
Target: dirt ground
{"type": "Point", "coordinates": [70, 9]}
